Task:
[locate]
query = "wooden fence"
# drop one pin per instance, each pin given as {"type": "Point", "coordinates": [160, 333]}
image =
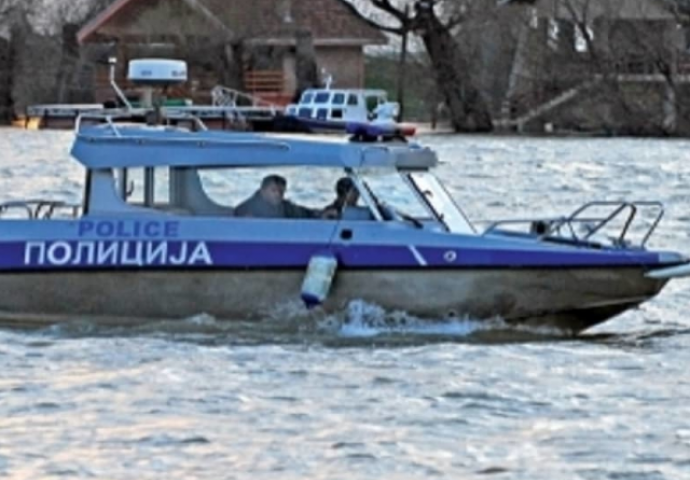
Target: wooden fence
{"type": "Point", "coordinates": [261, 81]}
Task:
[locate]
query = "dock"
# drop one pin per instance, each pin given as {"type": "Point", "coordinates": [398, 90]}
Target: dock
{"type": "Point", "coordinates": [216, 117]}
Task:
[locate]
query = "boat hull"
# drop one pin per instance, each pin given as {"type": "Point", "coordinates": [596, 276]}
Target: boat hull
{"type": "Point", "coordinates": [570, 300]}
{"type": "Point", "coordinates": [289, 123]}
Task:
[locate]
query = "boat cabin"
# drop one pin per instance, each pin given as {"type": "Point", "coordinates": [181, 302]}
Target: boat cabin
{"type": "Point", "coordinates": [142, 170]}
{"type": "Point", "coordinates": [346, 105]}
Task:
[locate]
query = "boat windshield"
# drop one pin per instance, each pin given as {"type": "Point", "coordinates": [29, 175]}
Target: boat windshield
{"type": "Point", "coordinates": [440, 201]}
{"type": "Point", "coordinates": [390, 192]}
{"type": "Point", "coordinates": [415, 197]}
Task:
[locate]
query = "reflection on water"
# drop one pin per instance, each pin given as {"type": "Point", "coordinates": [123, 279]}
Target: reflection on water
{"type": "Point", "coordinates": [366, 393]}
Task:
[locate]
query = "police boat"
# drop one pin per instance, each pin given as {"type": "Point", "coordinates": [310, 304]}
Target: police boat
{"type": "Point", "coordinates": [163, 231]}
{"type": "Point", "coordinates": [327, 110]}
{"type": "Point", "coordinates": [158, 236]}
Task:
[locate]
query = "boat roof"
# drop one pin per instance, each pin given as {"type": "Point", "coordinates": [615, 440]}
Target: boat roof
{"type": "Point", "coordinates": [357, 91]}
{"type": "Point", "coordinates": [131, 146]}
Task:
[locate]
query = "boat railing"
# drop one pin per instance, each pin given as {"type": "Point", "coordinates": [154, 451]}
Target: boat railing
{"type": "Point", "coordinates": [582, 226]}
{"type": "Point", "coordinates": [39, 209]}
{"type": "Point", "coordinates": [227, 97]}
{"type": "Point", "coordinates": [111, 118]}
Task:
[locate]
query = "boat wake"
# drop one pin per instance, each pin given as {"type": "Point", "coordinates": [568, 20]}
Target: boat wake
{"type": "Point", "coordinates": [360, 323]}
{"type": "Point", "coordinates": [362, 320]}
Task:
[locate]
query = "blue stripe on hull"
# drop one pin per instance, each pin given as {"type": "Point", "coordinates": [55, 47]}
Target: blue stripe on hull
{"type": "Point", "coordinates": [72, 254]}
{"type": "Point", "coordinates": [320, 126]}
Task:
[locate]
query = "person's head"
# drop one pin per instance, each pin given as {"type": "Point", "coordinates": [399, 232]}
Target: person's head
{"type": "Point", "coordinates": [346, 191]}
{"type": "Point", "coordinates": [273, 189]}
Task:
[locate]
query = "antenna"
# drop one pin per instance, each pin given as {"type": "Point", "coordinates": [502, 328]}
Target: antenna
{"type": "Point", "coordinates": [328, 79]}
{"type": "Point", "coordinates": [112, 61]}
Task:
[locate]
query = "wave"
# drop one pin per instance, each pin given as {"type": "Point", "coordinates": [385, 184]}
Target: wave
{"type": "Point", "coordinates": [359, 322]}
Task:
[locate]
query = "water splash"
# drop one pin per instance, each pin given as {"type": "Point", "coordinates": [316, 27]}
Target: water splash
{"type": "Point", "coordinates": [365, 320]}
{"type": "Point", "coordinates": [291, 323]}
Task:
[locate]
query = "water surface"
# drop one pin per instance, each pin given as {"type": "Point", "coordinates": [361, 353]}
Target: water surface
{"type": "Point", "coordinates": [365, 395]}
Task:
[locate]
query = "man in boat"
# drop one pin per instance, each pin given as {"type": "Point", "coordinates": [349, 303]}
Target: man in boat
{"type": "Point", "coordinates": [346, 196]}
{"type": "Point", "coordinates": [269, 202]}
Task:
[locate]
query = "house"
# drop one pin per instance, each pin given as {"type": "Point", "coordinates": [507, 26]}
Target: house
{"type": "Point", "coordinates": [253, 45]}
{"type": "Point", "coordinates": [618, 66]}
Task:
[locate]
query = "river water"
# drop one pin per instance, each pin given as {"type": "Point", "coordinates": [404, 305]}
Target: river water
{"type": "Point", "coordinates": [366, 398]}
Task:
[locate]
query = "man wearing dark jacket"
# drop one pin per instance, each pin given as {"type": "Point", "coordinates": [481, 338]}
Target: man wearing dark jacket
{"type": "Point", "coordinates": [346, 196]}
{"type": "Point", "coordinates": [269, 202]}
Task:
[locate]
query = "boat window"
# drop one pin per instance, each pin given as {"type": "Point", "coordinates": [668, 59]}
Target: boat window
{"type": "Point", "coordinates": [441, 202]}
{"type": "Point", "coordinates": [304, 112]}
{"type": "Point", "coordinates": [373, 102]}
{"type": "Point", "coordinates": [135, 185]}
{"type": "Point", "coordinates": [337, 113]}
{"type": "Point", "coordinates": [322, 113]}
{"type": "Point", "coordinates": [161, 186]}
{"type": "Point", "coordinates": [389, 189]}
{"type": "Point", "coordinates": [352, 99]}
{"type": "Point", "coordinates": [338, 99]}
{"type": "Point", "coordinates": [131, 182]}
{"type": "Point", "coordinates": [307, 97]}
{"type": "Point", "coordinates": [309, 187]}
{"type": "Point", "coordinates": [322, 97]}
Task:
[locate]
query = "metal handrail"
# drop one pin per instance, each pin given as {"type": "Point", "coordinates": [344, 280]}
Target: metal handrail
{"type": "Point", "coordinates": [227, 97]}
{"type": "Point", "coordinates": [198, 142]}
{"type": "Point", "coordinates": [4, 207]}
{"type": "Point", "coordinates": [554, 225]}
{"type": "Point", "coordinates": [111, 116]}
{"type": "Point", "coordinates": [39, 208]}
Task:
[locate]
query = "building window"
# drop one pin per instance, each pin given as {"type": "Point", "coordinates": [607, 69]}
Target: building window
{"type": "Point", "coordinates": [534, 18]}
{"type": "Point", "coordinates": [554, 31]}
{"type": "Point", "coordinates": [581, 42]}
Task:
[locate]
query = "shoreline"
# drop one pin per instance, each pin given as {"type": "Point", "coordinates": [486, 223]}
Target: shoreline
{"type": "Point", "coordinates": [425, 129]}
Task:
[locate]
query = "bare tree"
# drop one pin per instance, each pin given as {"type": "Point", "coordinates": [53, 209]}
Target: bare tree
{"type": "Point", "coordinates": [16, 26]}
{"type": "Point", "coordinates": [434, 21]}
{"type": "Point", "coordinates": [612, 63]}
{"type": "Point", "coordinates": [305, 62]}
{"type": "Point", "coordinates": [627, 50]}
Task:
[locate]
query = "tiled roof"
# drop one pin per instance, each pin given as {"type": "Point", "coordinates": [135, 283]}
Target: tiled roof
{"type": "Point", "coordinates": [326, 19]}
{"type": "Point", "coordinates": [261, 20]}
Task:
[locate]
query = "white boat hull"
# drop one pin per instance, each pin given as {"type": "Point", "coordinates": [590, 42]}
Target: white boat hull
{"type": "Point", "coordinates": [568, 299]}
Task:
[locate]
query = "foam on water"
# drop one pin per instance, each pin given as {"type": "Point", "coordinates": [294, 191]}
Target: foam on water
{"type": "Point", "coordinates": [362, 320]}
{"type": "Point", "coordinates": [292, 323]}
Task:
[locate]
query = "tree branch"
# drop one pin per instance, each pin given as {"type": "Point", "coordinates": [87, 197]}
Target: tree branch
{"type": "Point", "coordinates": [455, 20]}
{"type": "Point", "coordinates": [386, 7]}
